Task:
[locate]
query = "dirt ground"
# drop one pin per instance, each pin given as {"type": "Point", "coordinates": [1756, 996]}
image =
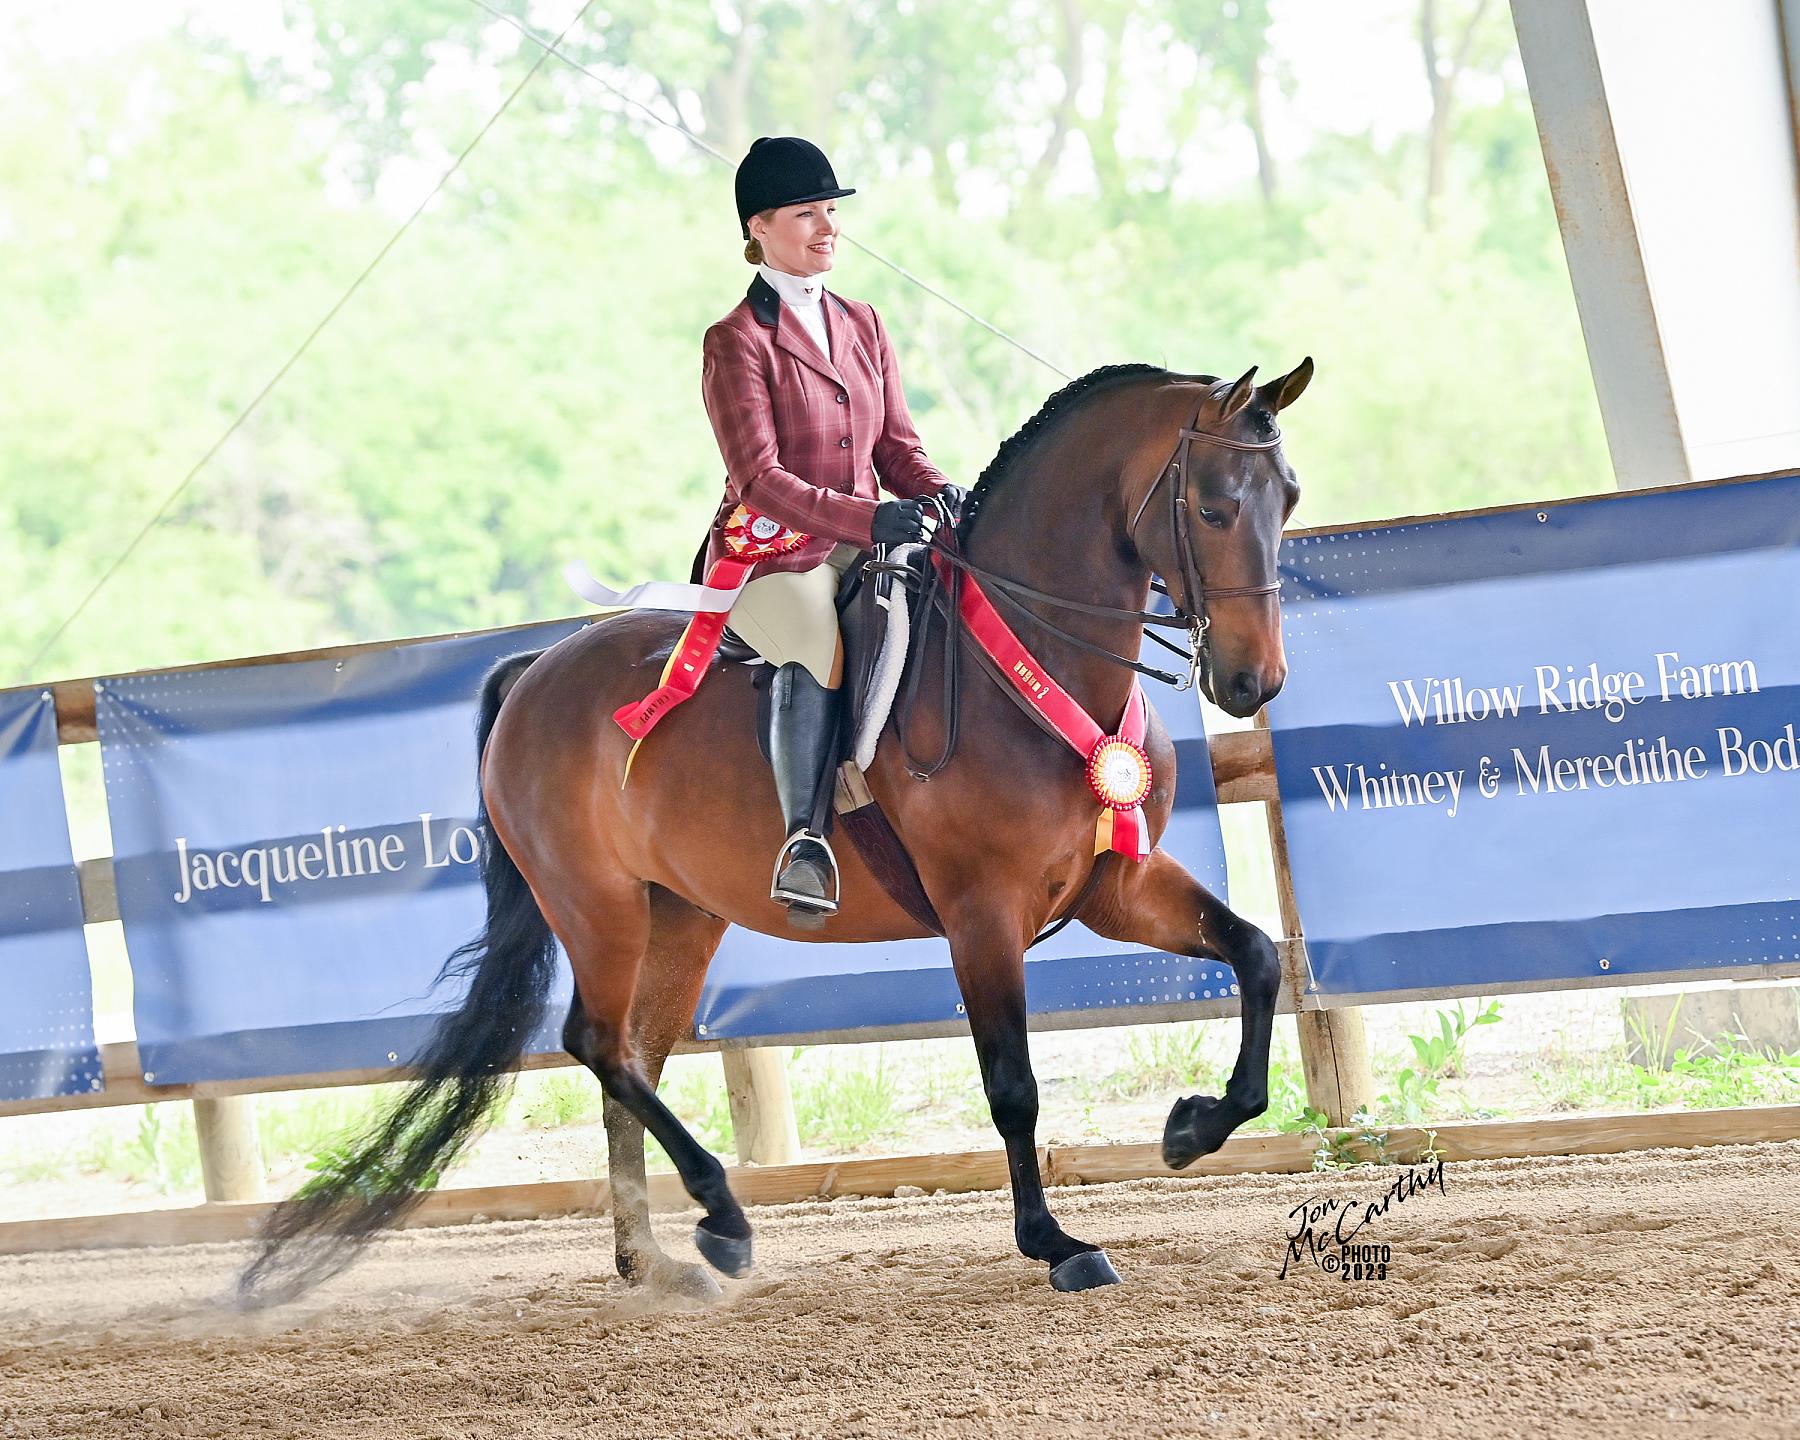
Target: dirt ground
{"type": "Point", "coordinates": [1651, 1293]}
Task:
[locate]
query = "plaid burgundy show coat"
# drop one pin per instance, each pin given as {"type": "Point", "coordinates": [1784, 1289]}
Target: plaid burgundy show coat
{"type": "Point", "coordinates": [805, 438]}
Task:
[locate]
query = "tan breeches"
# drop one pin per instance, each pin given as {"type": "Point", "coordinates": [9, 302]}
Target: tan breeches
{"type": "Point", "coordinates": [792, 616]}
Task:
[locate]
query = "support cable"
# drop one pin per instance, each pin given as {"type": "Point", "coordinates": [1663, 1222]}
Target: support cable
{"type": "Point", "coordinates": [546, 49]}
{"type": "Point", "coordinates": [176, 493]}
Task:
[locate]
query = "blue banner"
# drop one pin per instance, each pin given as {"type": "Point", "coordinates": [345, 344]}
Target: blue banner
{"type": "Point", "coordinates": [296, 854]}
{"type": "Point", "coordinates": [295, 860]}
{"type": "Point", "coordinates": [1543, 745]}
{"type": "Point", "coordinates": [46, 998]}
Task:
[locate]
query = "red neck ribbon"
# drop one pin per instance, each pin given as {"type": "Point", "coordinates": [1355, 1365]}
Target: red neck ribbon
{"type": "Point", "coordinates": [1123, 830]}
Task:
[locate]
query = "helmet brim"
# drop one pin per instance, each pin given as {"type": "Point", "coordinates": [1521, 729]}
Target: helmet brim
{"type": "Point", "coordinates": [808, 199]}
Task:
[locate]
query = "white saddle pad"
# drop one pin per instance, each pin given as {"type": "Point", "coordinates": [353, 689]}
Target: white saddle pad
{"type": "Point", "coordinates": [879, 702]}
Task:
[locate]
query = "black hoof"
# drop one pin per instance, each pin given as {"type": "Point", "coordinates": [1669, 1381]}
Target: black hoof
{"type": "Point", "coordinates": [726, 1255]}
{"type": "Point", "coordinates": [1196, 1127]}
{"type": "Point", "coordinates": [1084, 1271]}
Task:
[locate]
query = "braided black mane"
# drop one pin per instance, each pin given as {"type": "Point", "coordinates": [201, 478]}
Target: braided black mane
{"type": "Point", "coordinates": [1063, 400]}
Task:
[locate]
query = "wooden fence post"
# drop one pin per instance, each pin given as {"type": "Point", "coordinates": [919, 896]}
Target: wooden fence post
{"type": "Point", "coordinates": [762, 1106]}
{"type": "Point", "coordinates": [1334, 1050]}
{"type": "Point", "coordinates": [231, 1162]}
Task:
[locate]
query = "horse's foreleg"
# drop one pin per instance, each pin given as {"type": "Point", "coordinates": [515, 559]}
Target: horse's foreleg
{"type": "Point", "coordinates": [1160, 905]}
{"type": "Point", "coordinates": [990, 968]}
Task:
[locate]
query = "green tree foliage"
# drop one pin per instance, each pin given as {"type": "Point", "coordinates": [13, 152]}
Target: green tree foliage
{"type": "Point", "coordinates": [517, 383]}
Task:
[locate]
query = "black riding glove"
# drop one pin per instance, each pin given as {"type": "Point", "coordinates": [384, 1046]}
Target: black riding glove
{"type": "Point", "coordinates": [955, 496]}
{"type": "Point", "coordinates": [898, 522]}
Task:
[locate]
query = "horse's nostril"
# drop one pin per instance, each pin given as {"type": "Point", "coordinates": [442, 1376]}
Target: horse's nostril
{"type": "Point", "coordinates": [1244, 687]}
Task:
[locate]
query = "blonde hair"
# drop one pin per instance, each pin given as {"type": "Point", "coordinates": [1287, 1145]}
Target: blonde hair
{"type": "Point", "coordinates": [753, 251]}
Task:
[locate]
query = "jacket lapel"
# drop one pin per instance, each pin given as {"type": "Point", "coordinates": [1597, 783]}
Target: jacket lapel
{"type": "Point", "coordinates": [845, 341]}
{"type": "Point", "coordinates": [790, 335]}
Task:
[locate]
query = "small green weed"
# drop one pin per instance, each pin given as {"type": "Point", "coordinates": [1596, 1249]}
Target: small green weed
{"type": "Point", "coordinates": [1161, 1058]}
{"type": "Point", "coordinates": [947, 1081]}
{"type": "Point", "coordinates": [698, 1097]}
{"type": "Point", "coordinates": [1652, 1045]}
{"type": "Point", "coordinates": [567, 1099]}
{"type": "Point", "coordinates": [308, 1125]}
{"type": "Point", "coordinates": [163, 1153]}
{"type": "Point", "coordinates": [1362, 1143]}
{"type": "Point", "coordinates": [1734, 1075]}
{"type": "Point", "coordinates": [1414, 1096]}
{"type": "Point", "coordinates": [1440, 1056]}
{"type": "Point", "coordinates": [1725, 1073]}
{"type": "Point", "coordinates": [26, 1167]}
{"type": "Point", "coordinates": [842, 1107]}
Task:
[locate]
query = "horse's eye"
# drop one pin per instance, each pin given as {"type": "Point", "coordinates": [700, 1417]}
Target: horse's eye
{"type": "Point", "coordinates": [1214, 518]}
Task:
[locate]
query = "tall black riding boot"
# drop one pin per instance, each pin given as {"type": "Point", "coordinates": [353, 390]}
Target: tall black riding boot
{"type": "Point", "coordinates": [802, 737]}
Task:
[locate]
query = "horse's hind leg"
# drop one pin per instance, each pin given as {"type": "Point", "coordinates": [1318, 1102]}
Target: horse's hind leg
{"type": "Point", "coordinates": [635, 1252]}
{"type": "Point", "coordinates": [1160, 905]}
{"type": "Point", "coordinates": [682, 941]}
{"type": "Point", "coordinates": [607, 953]}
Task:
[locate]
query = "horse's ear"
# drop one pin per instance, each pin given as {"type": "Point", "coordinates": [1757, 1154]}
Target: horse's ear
{"type": "Point", "coordinates": [1279, 394]}
{"type": "Point", "coordinates": [1238, 396]}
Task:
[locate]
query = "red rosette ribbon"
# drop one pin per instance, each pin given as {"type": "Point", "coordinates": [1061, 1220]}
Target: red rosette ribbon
{"type": "Point", "coordinates": [1118, 772]}
{"type": "Point", "coordinates": [750, 536]}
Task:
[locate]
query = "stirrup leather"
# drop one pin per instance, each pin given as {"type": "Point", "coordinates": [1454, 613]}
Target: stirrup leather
{"type": "Point", "coordinates": [823, 906]}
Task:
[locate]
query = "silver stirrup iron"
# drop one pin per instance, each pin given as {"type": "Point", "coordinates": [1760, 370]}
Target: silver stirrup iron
{"type": "Point", "coordinates": [827, 906]}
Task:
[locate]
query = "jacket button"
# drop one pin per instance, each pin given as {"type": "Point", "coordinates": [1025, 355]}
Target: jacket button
{"type": "Point", "coordinates": [844, 443]}
{"type": "Point", "coordinates": [843, 399]}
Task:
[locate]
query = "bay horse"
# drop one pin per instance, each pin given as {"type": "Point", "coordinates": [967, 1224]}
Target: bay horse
{"type": "Point", "coordinates": [639, 880]}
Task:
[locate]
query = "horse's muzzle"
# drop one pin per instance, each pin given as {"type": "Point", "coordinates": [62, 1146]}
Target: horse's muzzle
{"type": "Point", "coordinates": [1240, 691]}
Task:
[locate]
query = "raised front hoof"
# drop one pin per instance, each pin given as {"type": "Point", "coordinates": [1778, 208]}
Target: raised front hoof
{"type": "Point", "coordinates": [725, 1254]}
{"type": "Point", "coordinates": [1197, 1126]}
{"type": "Point", "coordinates": [1085, 1271]}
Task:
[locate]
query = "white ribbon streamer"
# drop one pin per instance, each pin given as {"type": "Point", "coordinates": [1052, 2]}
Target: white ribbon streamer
{"type": "Point", "coordinates": [651, 595]}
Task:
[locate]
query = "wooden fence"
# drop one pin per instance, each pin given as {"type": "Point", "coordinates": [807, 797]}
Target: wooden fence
{"type": "Point", "coordinates": [1333, 1048]}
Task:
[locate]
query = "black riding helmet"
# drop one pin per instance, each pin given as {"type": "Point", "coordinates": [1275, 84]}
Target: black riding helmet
{"type": "Point", "coordinates": [783, 170]}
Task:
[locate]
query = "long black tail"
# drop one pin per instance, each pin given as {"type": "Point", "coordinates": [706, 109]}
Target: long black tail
{"type": "Point", "coordinates": [462, 1072]}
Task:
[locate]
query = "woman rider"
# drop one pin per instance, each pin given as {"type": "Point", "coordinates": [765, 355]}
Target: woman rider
{"type": "Point", "coordinates": [805, 400]}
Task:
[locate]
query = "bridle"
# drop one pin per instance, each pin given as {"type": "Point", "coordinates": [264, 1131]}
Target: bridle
{"type": "Point", "coordinates": [1181, 528]}
{"type": "Point", "coordinates": [1190, 614]}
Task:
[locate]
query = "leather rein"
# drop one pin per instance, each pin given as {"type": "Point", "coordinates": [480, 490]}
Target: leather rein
{"type": "Point", "coordinates": [1190, 613]}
